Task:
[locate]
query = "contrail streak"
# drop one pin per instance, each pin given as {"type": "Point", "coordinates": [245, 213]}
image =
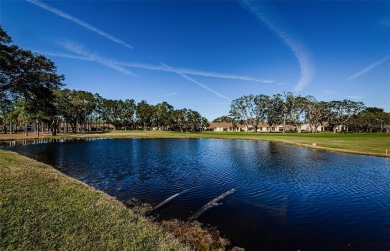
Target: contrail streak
{"type": "Point", "coordinates": [63, 55]}
{"type": "Point", "coordinates": [204, 86]}
{"type": "Point", "coordinates": [165, 68]}
{"type": "Point", "coordinates": [79, 22]}
{"type": "Point", "coordinates": [195, 72]}
{"type": "Point", "coordinates": [75, 48]}
{"type": "Point", "coordinates": [139, 65]}
{"type": "Point", "coordinates": [79, 50]}
{"type": "Point", "coordinates": [262, 14]}
{"type": "Point", "coordinates": [368, 68]}
{"type": "Point", "coordinates": [200, 84]}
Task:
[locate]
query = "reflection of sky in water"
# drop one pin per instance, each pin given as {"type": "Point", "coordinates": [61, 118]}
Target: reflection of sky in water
{"type": "Point", "coordinates": [286, 197]}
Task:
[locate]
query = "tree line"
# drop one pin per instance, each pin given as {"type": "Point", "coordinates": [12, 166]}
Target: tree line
{"type": "Point", "coordinates": [90, 111]}
{"type": "Point", "coordinates": [289, 109]}
{"type": "Point", "coordinates": [31, 92]}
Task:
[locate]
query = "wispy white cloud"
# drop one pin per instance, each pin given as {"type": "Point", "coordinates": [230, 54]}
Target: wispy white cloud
{"type": "Point", "coordinates": [83, 54]}
{"type": "Point", "coordinates": [140, 65]}
{"type": "Point", "coordinates": [368, 68]}
{"type": "Point", "coordinates": [330, 92]}
{"type": "Point", "coordinates": [79, 22]}
{"type": "Point", "coordinates": [165, 68]}
{"type": "Point", "coordinates": [385, 21]}
{"type": "Point", "coordinates": [196, 72]}
{"type": "Point", "coordinates": [204, 86]}
{"type": "Point", "coordinates": [62, 55]}
{"type": "Point", "coordinates": [170, 94]}
{"type": "Point", "coordinates": [199, 84]}
{"type": "Point", "coordinates": [354, 97]}
{"type": "Point", "coordinates": [265, 15]}
{"type": "Point", "coordinates": [269, 81]}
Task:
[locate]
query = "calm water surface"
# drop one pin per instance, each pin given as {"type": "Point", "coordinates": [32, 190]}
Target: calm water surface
{"type": "Point", "coordinates": [287, 197]}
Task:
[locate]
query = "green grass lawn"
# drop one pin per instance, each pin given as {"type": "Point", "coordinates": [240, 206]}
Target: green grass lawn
{"type": "Point", "coordinates": [42, 209]}
{"type": "Point", "coordinates": [359, 143]}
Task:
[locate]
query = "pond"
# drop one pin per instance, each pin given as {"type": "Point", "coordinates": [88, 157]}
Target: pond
{"type": "Point", "coordinates": [286, 197]}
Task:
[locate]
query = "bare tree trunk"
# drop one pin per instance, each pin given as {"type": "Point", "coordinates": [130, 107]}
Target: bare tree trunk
{"type": "Point", "coordinates": [37, 127]}
{"type": "Point", "coordinates": [53, 126]}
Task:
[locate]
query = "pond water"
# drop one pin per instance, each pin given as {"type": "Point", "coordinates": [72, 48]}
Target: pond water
{"type": "Point", "coordinates": [286, 198]}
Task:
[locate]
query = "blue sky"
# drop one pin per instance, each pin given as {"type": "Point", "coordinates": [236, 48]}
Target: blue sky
{"type": "Point", "coordinates": [202, 54]}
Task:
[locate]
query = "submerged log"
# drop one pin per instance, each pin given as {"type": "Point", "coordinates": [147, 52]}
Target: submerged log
{"type": "Point", "coordinates": [169, 199]}
{"type": "Point", "coordinates": [211, 204]}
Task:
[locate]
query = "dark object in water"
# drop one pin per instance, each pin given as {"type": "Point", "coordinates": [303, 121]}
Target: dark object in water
{"type": "Point", "coordinates": [169, 199]}
{"type": "Point", "coordinates": [211, 204]}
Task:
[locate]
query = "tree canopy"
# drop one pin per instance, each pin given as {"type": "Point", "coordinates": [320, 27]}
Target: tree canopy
{"type": "Point", "coordinates": [296, 110]}
{"type": "Point", "coordinates": [26, 76]}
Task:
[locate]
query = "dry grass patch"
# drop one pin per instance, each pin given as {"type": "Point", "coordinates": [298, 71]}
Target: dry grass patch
{"type": "Point", "coordinates": [196, 236]}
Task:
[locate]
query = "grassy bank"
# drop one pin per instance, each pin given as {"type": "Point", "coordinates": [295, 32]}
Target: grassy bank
{"type": "Point", "coordinates": [358, 143]}
{"type": "Point", "coordinates": [42, 209]}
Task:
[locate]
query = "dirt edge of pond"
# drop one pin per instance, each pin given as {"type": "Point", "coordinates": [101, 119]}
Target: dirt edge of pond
{"type": "Point", "coordinates": [192, 233]}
